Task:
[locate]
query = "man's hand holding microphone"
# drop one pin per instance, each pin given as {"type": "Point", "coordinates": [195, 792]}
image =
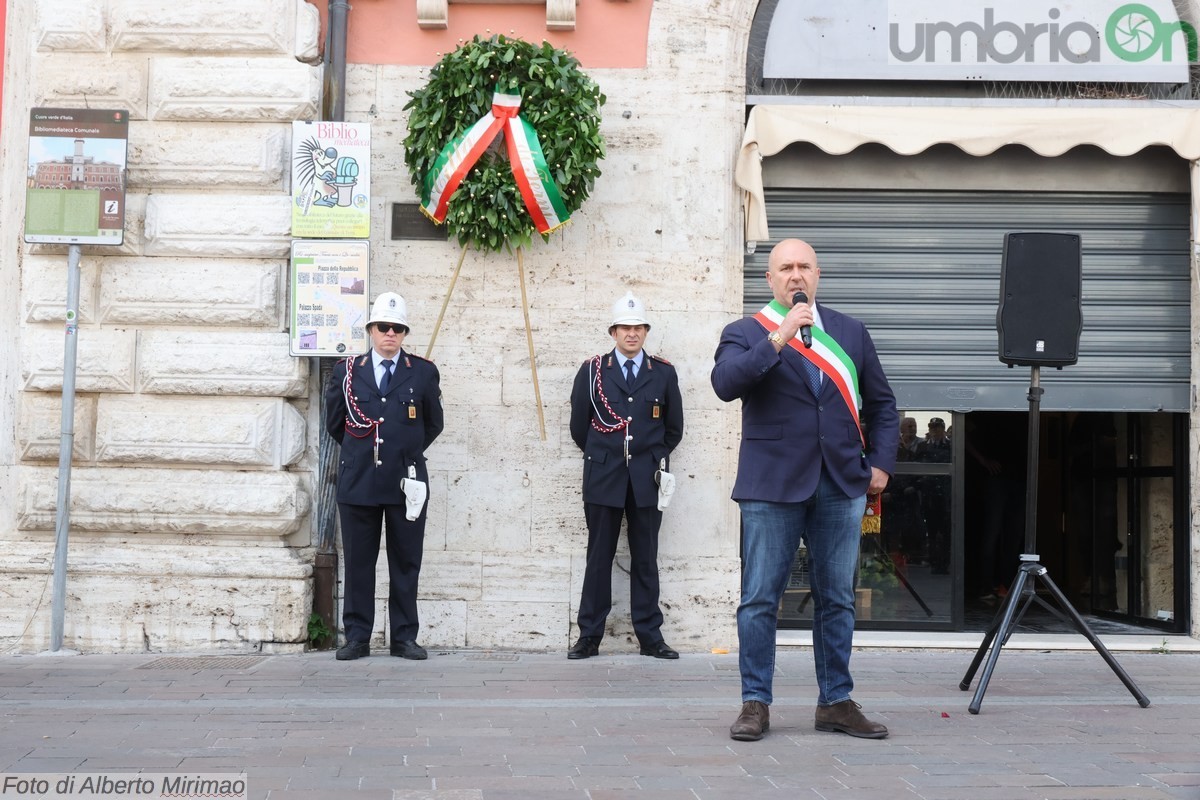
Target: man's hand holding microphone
{"type": "Point", "coordinates": [799, 320]}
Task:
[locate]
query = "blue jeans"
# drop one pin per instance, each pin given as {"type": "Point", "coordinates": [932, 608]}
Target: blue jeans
{"type": "Point", "coordinates": [830, 524]}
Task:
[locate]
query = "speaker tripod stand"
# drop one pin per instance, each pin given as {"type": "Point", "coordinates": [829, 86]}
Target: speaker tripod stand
{"type": "Point", "coordinates": [1023, 591]}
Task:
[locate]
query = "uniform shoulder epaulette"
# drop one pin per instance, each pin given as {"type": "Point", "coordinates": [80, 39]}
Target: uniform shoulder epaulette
{"type": "Point", "coordinates": [660, 358]}
{"type": "Point", "coordinates": [415, 357]}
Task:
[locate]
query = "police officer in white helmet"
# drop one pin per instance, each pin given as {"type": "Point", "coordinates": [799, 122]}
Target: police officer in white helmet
{"type": "Point", "coordinates": [385, 409]}
{"type": "Point", "coordinates": [626, 417]}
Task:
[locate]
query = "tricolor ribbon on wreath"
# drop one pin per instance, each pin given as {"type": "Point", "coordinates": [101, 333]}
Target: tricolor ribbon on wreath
{"type": "Point", "coordinates": [530, 171]}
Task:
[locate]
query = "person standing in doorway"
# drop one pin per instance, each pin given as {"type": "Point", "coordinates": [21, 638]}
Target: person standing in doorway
{"type": "Point", "coordinates": [820, 432]}
{"type": "Point", "coordinates": [384, 408]}
{"type": "Point", "coordinates": [626, 417]}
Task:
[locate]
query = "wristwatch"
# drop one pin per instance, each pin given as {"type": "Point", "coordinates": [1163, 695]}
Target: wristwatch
{"type": "Point", "coordinates": [774, 338]}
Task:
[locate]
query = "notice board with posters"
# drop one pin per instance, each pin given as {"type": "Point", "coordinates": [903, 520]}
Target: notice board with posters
{"type": "Point", "coordinates": [330, 299]}
{"type": "Point", "coordinates": [75, 178]}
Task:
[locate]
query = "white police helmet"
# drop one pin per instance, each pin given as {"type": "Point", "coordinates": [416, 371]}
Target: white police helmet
{"type": "Point", "coordinates": [629, 311]}
{"type": "Point", "coordinates": [389, 307]}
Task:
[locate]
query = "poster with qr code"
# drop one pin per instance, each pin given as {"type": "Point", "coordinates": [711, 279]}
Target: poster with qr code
{"type": "Point", "coordinates": [330, 296]}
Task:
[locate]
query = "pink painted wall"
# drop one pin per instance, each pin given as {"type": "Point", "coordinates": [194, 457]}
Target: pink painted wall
{"type": "Point", "coordinates": [608, 33]}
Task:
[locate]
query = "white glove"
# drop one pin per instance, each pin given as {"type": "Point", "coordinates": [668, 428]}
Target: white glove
{"type": "Point", "coordinates": [666, 486]}
{"type": "Point", "coordinates": [415, 492]}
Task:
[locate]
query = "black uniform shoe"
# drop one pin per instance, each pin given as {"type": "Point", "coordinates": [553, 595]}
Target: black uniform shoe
{"type": "Point", "coordinates": [659, 650]}
{"type": "Point", "coordinates": [585, 647]}
{"type": "Point", "coordinates": [352, 650]}
{"type": "Point", "coordinates": [409, 649]}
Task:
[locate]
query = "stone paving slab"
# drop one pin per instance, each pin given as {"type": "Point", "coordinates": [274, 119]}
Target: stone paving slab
{"type": "Point", "coordinates": [473, 726]}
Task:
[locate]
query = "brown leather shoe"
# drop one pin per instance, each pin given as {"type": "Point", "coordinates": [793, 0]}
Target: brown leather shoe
{"type": "Point", "coordinates": [752, 723]}
{"type": "Point", "coordinates": [847, 718]}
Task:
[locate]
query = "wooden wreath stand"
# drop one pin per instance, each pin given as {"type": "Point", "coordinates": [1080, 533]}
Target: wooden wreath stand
{"type": "Point", "coordinates": [537, 392]}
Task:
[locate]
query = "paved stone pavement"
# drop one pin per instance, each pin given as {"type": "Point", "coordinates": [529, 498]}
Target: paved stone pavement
{"type": "Point", "coordinates": [491, 726]}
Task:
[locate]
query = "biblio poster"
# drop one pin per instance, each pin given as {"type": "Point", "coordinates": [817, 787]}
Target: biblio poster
{"type": "Point", "coordinates": [329, 297]}
{"type": "Point", "coordinates": [331, 180]}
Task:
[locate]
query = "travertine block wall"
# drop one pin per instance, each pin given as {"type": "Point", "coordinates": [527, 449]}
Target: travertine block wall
{"type": "Point", "coordinates": [505, 546]}
{"type": "Point", "coordinates": [191, 485]}
{"type": "Point", "coordinates": [195, 430]}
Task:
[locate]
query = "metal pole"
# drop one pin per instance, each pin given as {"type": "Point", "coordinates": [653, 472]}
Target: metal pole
{"type": "Point", "coordinates": [1031, 464]}
{"type": "Point", "coordinates": [65, 448]}
{"type": "Point", "coordinates": [335, 60]}
{"type": "Point", "coordinates": [325, 567]}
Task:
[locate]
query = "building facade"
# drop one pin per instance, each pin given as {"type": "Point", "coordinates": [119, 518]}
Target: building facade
{"type": "Point", "coordinates": [196, 482]}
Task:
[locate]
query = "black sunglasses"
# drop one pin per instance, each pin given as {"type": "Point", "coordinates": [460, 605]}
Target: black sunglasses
{"type": "Point", "coordinates": [388, 327]}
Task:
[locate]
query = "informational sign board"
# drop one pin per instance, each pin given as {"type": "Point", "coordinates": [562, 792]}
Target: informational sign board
{"type": "Point", "coordinates": [331, 180]}
{"type": "Point", "coordinates": [75, 180]}
{"type": "Point", "coordinates": [330, 297]}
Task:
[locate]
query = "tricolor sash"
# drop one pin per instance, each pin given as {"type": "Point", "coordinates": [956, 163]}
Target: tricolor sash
{"type": "Point", "coordinates": [827, 354]}
{"type": "Point", "coordinates": [528, 162]}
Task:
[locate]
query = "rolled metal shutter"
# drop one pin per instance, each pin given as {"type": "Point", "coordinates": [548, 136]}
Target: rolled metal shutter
{"type": "Point", "coordinates": [922, 270]}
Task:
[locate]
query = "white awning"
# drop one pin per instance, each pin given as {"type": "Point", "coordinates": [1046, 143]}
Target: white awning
{"type": "Point", "coordinates": [907, 130]}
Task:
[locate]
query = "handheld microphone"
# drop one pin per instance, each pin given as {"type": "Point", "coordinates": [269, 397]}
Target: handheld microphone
{"type": "Point", "coordinates": [805, 330]}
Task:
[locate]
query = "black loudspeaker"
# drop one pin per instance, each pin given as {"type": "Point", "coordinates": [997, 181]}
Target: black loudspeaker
{"type": "Point", "coordinates": [1041, 285]}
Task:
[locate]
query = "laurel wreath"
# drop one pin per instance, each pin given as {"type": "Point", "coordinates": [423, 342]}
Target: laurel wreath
{"type": "Point", "coordinates": [558, 100]}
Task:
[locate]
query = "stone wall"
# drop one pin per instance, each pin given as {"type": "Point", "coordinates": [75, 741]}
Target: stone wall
{"type": "Point", "coordinates": [196, 431]}
{"type": "Point", "coordinates": [505, 545]}
{"type": "Point", "coordinates": [191, 483]}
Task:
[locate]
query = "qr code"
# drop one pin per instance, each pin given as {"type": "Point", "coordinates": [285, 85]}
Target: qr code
{"type": "Point", "coordinates": [302, 277]}
{"type": "Point", "coordinates": [357, 333]}
{"type": "Point", "coordinates": [304, 320]}
{"type": "Point", "coordinates": [331, 277]}
{"type": "Point", "coordinates": [331, 320]}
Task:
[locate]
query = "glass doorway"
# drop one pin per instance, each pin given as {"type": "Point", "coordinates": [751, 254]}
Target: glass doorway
{"type": "Point", "coordinates": [907, 566]}
{"type": "Point", "coordinates": [1111, 523]}
{"type": "Point", "coordinates": [1111, 516]}
{"type": "Point", "coordinates": [1126, 505]}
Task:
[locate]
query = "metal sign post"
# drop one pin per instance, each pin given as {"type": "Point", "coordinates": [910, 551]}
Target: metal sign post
{"type": "Point", "coordinates": [74, 195]}
{"type": "Point", "coordinates": [65, 448]}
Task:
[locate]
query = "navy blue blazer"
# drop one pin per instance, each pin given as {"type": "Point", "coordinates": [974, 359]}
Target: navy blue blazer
{"type": "Point", "coordinates": [787, 432]}
{"type": "Point", "coordinates": [411, 410]}
{"type": "Point", "coordinates": [654, 403]}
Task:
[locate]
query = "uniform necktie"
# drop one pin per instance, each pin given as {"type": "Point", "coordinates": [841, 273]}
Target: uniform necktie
{"type": "Point", "coordinates": [629, 372]}
{"type": "Point", "coordinates": [813, 373]}
{"type": "Point", "coordinates": [387, 374]}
